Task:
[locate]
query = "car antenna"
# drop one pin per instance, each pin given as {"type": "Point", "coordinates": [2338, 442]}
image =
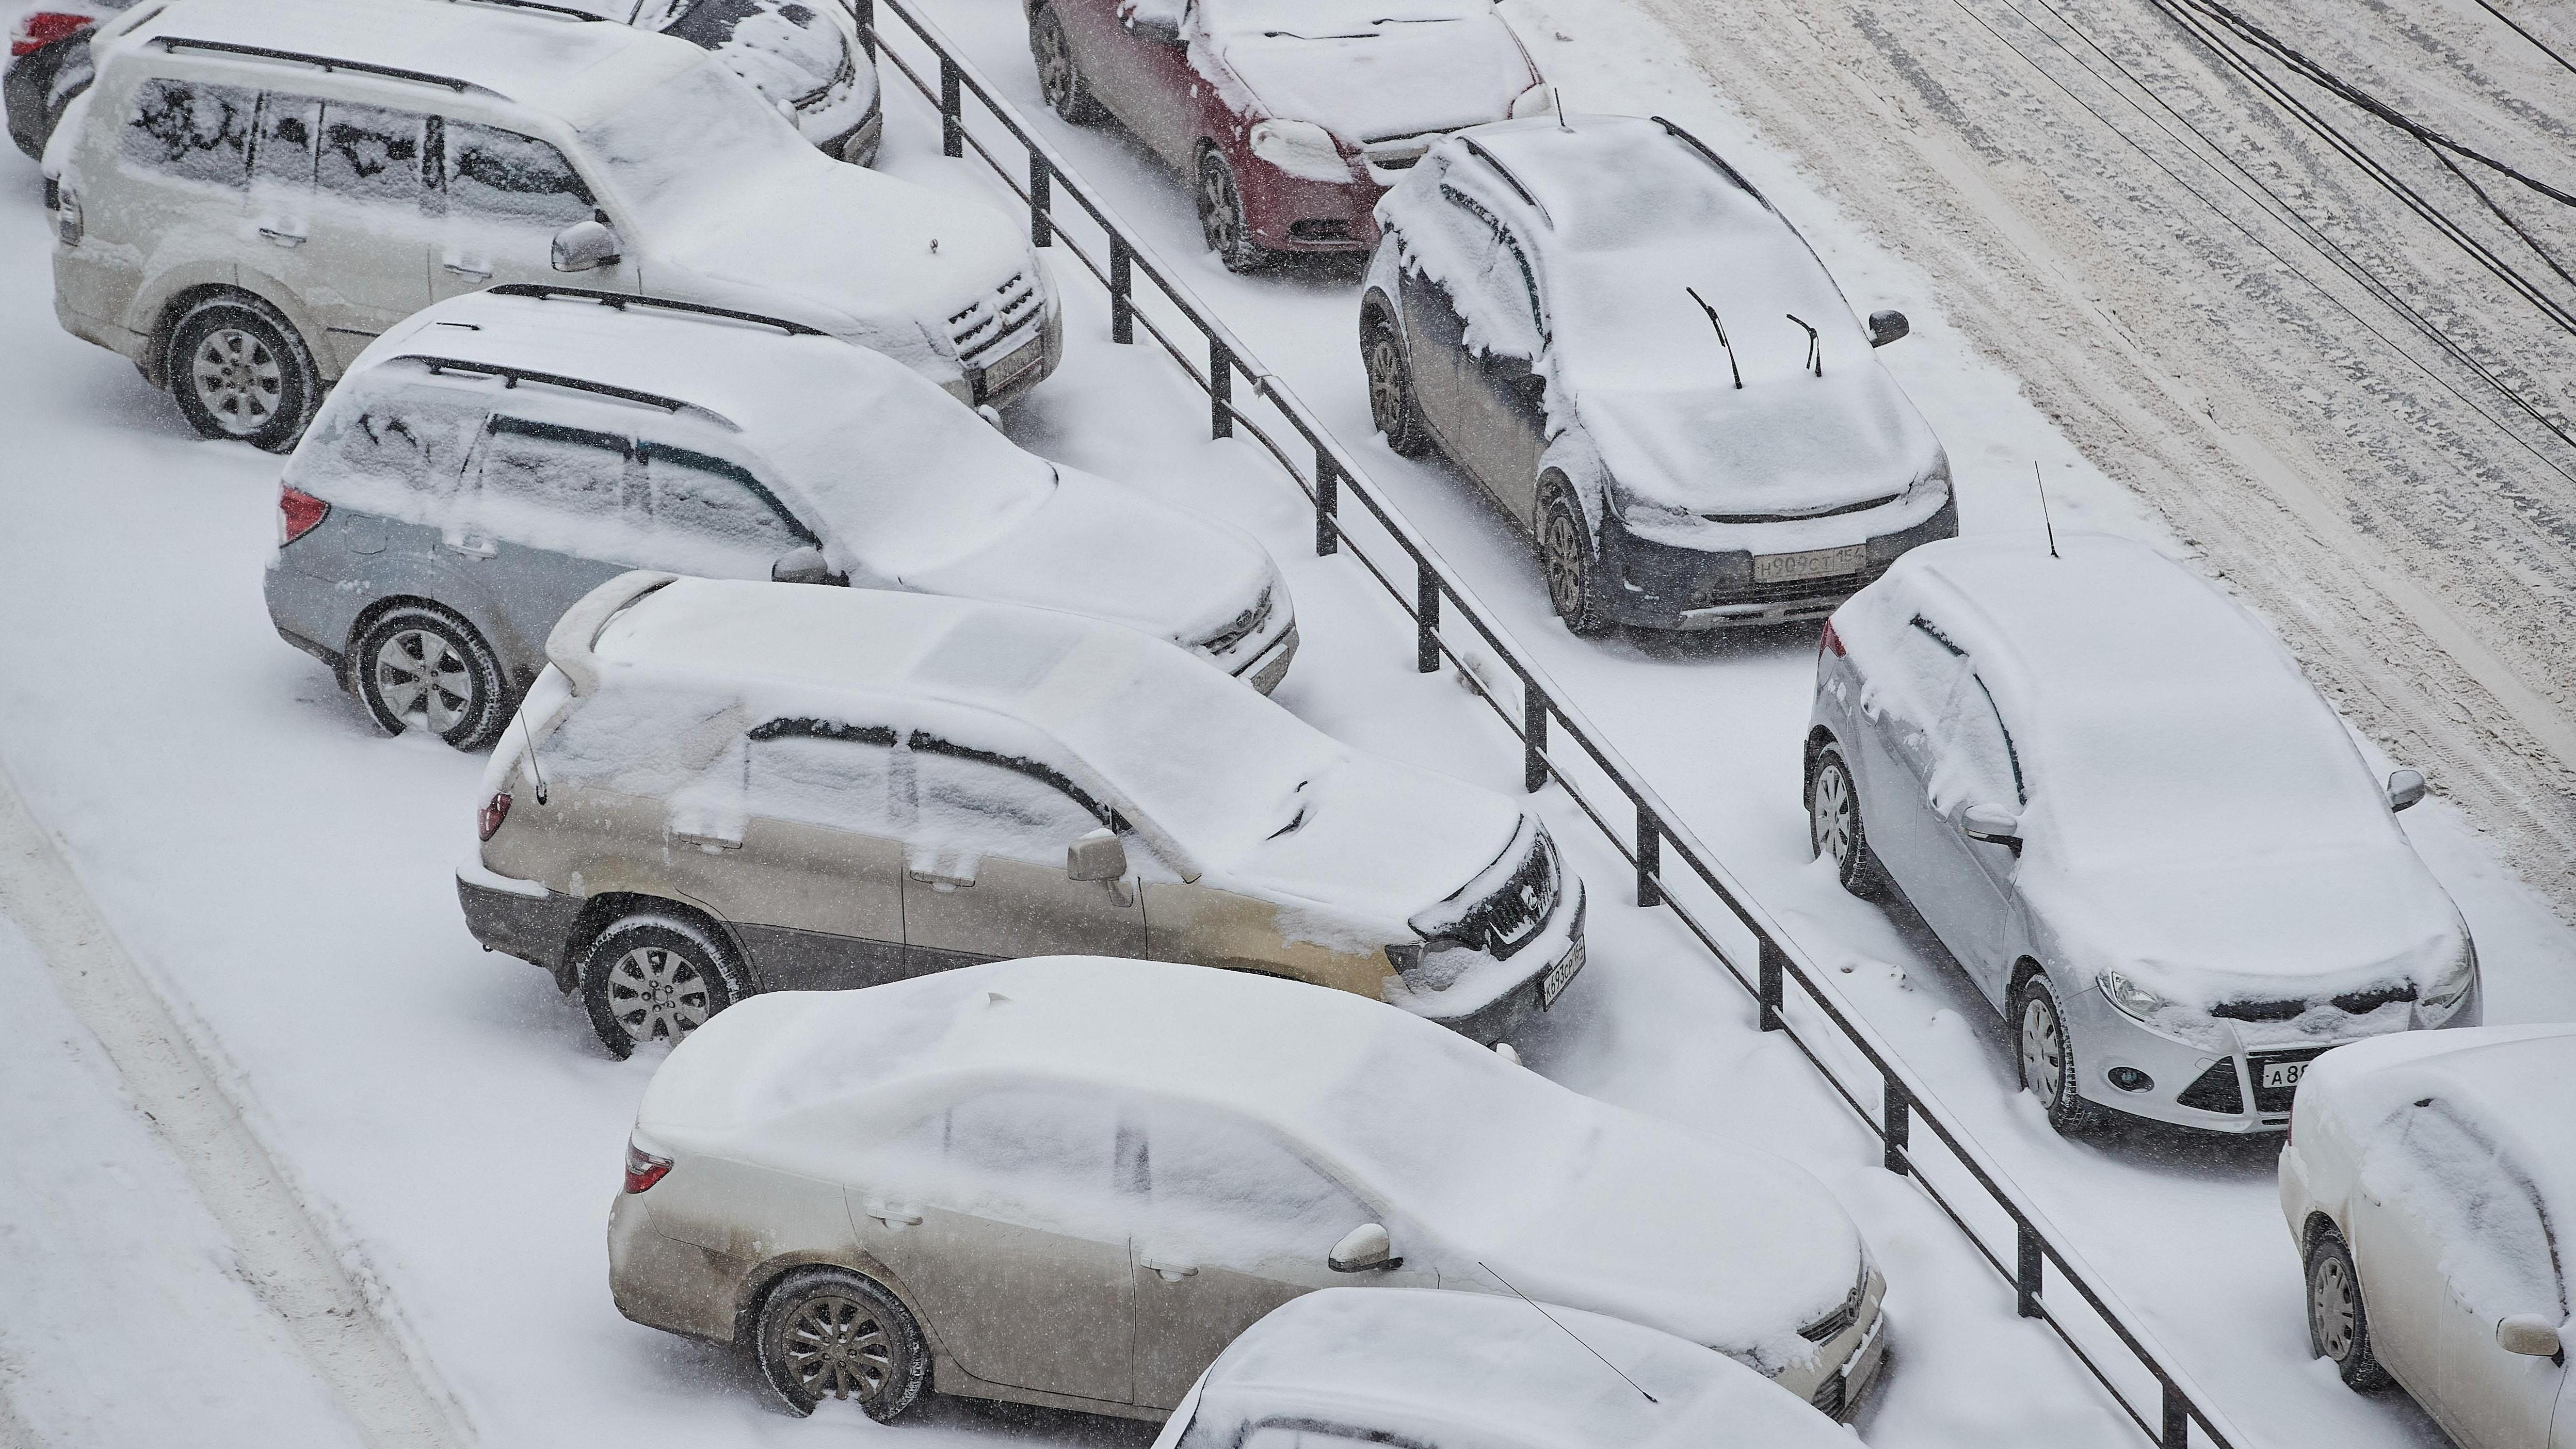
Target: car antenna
{"type": "Point", "coordinates": [1721, 336]}
{"type": "Point", "coordinates": [2044, 518]}
{"type": "Point", "coordinates": [530, 736]}
{"type": "Point", "coordinates": [1815, 348]}
{"type": "Point", "coordinates": [1570, 1333]}
{"type": "Point", "coordinates": [1557, 94]}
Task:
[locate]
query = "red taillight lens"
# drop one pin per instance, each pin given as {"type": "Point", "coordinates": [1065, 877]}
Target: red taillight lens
{"type": "Point", "coordinates": [643, 1169]}
{"type": "Point", "coordinates": [298, 513]}
{"type": "Point", "coordinates": [1831, 643]}
{"type": "Point", "coordinates": [487, 821]}
{"type": "Point", "coordinates": [44, 27]}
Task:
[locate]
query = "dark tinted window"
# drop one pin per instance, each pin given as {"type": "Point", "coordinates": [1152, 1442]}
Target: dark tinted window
{"type": "Point", "coordinates": [713, 497]}
{"type": "Point", "coordinates": [287, 127]}
{"type": "Point", "coordinates": [370, 154]}
{"type": "Point", "coordinates": [498, 173]}
{"type": "Point", "coordinates": [568, 468]}
{"type": "Point", "coordinates": [191, 129]}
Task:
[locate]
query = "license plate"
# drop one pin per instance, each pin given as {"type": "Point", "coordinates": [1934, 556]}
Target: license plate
{"type": "Point", "coordinates": [1552, 985]}
{"type": "Point", "coordinates": [1821, 563]}
{"type": "Point", "coordinates": [2283, 1074]}
{"type": "Point", "coordinates": [1003, 373]}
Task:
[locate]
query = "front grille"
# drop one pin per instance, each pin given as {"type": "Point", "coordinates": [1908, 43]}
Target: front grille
{"type": "Point", "coordinates": [821, 95]}
{"type": "Point", "coordinates": [1243, 626]}
{"type": "Point", "coordinates": [2215, 1090]}
{"type": "Point", "coordinates": [2351, 1003]}
{"type": "Point", "coordinates": [2271, 1101]}
{"type": "Point", "coordinates": [1830, 1326]}
{"type": "Point", "coordinates": [1506, 920]}
{"type": "Point", "coordinates": [981, 327]}
{"type": "Point", "coordinates": [2258, 1010]}
{"type": "Point", "coordinates": [1828, 1397]}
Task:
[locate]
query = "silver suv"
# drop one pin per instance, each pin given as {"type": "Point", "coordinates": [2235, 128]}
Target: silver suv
{"type": "Point", "coordinates": [725, 787]}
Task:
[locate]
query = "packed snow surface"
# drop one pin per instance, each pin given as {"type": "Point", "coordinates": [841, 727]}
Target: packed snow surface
{"type": "Point", "coordinates": [1573, 1201]}
{"type": "Point", "coordinates": [1367, 71]}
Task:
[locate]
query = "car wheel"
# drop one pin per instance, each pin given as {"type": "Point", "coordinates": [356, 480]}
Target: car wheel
{"type": "Point", "coordinates": [2338, 1327]}
{"type": "Point", "coordinates": [419, 667]}
{"type": "Point", "coordinates": [2046, 1053]}
{"type": "Point", "coordinates": [1834, 827]}
{"type": "Point", "coordinates": [830, 1333]}
{"type": "Point", "coordinates": [652, 977]}
{"type": "Point", "coordinates": [241, 374]}
{"type": "Point", "coordinates": [1221, 219]}
{"type": "Point", "coordinates": [1059, 76]}
{"type": "Point", "coordinates": [1390, 384]}
{"type": "Point", "coordinates": [1567, 556]}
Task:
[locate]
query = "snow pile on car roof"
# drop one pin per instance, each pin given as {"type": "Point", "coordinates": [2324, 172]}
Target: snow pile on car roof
{"type": "Point", "coordinates": [1426, 1366]}
{"type": "Point", "coordinates": [1370, 70]}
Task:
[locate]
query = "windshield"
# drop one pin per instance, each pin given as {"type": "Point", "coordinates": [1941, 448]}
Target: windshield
{"type": "Point", "coordinates": [1316, 19]}
{"type": "Point", "coordinates": [678, 146]}
{"type": "Point", "coordinates": [1466, 1145]}
{"type": "Point", "coordinates": [910, 481]}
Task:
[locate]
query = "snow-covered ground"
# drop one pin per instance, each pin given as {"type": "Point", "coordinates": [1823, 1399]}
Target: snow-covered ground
{"type": "Point", "coordinates": [283, 875]}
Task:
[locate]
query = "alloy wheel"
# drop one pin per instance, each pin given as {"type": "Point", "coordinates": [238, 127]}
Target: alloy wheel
{"type": "Point", "coordinates": [238, 380]}
{"type": "Point", "coordinates": [2043, 1049]}
{"type": "Point", "coordinates": [1562, 556]}
{"type": "Point", "coordinates": [657, 994]}
{"type": "Point", "coordinates": [1386, 383]}
{"type": "Point", "coordinates": [836, 1346]}
{"type": "Point", "coordinates": [1831, 820]}
{"type": "Point", "coordinates": [2333, 1307]}
{"type": "Point", "coordinates": [1055, 67]}
{"type": "Point", "coordinates": [422, 677]}
{"type": "Point", "coordinates": [1220, 210]}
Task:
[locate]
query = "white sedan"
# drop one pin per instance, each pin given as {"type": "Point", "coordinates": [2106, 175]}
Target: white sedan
{"type": "Point", "coordinates": [1072, 1181]}
{"type": "Point", "coordinates": [2427, 1182]}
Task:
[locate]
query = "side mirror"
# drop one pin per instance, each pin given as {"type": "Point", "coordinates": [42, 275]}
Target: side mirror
{"type": "Point", "coordinates": [2530, 1335]}
{"type": "Point", "coordinates": [1160, 29]}
{"type": "Point", "coordinates": [2405, 787]}
{"type": "Point", "coordinates": [801, 566]}
{"type": "Point", "coordinates": [585, 246]}
{"type": "Point", "coordinates": [1886, 326]}
{"type": "Point", "coordinates": [1992, 824]}
{"type": "Point", "coordinates": [1364, 1249]}
{"type": "Point", "coordinates": [1097, 856]}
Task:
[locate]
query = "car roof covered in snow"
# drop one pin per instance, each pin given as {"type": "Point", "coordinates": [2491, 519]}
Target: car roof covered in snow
{"type": "Point", "coordinates": [554, 64]}
{"type": "Point", "coordinates": [1480, 1371]}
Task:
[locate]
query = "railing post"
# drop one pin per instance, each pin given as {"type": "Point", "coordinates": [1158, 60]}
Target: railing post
{"type": "Point", "coordinates": [1327, 499]}
{"type": "Point", "coordinates": [865, 13]}
{"type": "Point", "coordinates": [1650, 856]}
{"type": "Point", "coordinates": [1041, 201]}
{"type": "Point", "coordinates": [1220, 390]}
{"type": "Point", "coordinates": [1122, 286]}
{"type": "Point", "coordinates": [1896, 1117]}
{"type": "Point", "coordinates": [1533, 738]}
{"type": "Point", "coordinates": [1426, 619]}
{"type": "Point", "coordinates": [2177, 1425]}
{"type": "Point", "coordinates": [952, 122]}
{"type": "Point", "coordinates": [2026, 1276]}
{"type": "Point", "coordinates": [1771, 995]}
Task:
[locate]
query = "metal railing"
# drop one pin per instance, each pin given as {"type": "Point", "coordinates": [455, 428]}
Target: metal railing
{"type": "Point", "coordinates": [1142, 294]}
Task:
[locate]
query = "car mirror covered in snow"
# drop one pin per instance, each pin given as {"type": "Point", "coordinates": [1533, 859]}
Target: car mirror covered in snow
{"type": "Point", "coordinates": [1097, 856]}
{"type": "Point", "coordinates": [1886, 326]}
{"type": "Point", "coordinates": [2528, 1334]}
{"type": "Point", "coordinates": [1992, 824]}
{"type": "Point", "coordinates": [586, 246]}
{"type": "Point", "coordinates": [801, 566]}
{"type": "Point", "coordinates": [1364, 1249]}
{"type": "Point", "coordinates": [2405, 788]}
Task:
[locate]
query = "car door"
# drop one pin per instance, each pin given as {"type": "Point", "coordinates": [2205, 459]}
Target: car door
{"type": "Point", "coordinates": [500, 200]}
{"type": "Point", "coordinates": [1237, 1222]}
{"type": "Point", "coordinates": [1502, 417]}
{"type": "Point", "coordinates": [2498, 1258]}
{"type": "Point", "coordinates": [365, 252]}
{"type": "Point", "coordinates": [999, 1215]}
{"type": "Point", "coordinates": [984, 863]}
{"type": "Point", "coordinates": [1145, 81]}
{"type": "Point", "coordinates": [1963, 887]}
{"type": "Point", "coordinates": [1911, 678]}
{"type": "Point", "coordinates": [2397, 1255]}
{"type": "Point", "coordinates": [186, 147]}
{"type": "Point", "coordinates": [551, 510]}
{"type": "Point", "coordinates": [819, 904]}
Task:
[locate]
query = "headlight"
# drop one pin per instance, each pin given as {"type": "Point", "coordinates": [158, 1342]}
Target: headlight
{"type": "Point", "coordinates": [2443, 1000]}
{"type": "Point", "coordinates": [1935, 477]}
{"type": "Point", "coordinates": [2132, 999]}
{"type": "Point", "coordinates": [1300, 148]}
{"type": "Point", "coordinates": [67, 217]}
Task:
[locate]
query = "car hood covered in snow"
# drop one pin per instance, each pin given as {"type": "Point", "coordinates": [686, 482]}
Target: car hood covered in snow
{"type": "Point", "coordinates": [1369, 72]}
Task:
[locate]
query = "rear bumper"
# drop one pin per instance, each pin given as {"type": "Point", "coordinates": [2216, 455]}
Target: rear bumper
{"type": "Point", "coordinates": [1662, 586]}
{"type": "Point", "coordinates": [310, 613]}
{"type": "Point", "coordinates": [517, 917]}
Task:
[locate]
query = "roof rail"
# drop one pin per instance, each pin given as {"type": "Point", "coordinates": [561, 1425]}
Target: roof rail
{"type": "Point", "coordinates": [1506, 171]}
{"type": "Point", "coordinates": [569, 644]}
{"type": "Point", "coordinates": [564, 10]}
{"type": "Point", "coordinates": [226, 47]}
{"type": "Point", "coordinates": [622, 300]}
{"type": "Point", "coordinates": [513, 376]}
{"type": "Point", "coordinates": [1714, 159]}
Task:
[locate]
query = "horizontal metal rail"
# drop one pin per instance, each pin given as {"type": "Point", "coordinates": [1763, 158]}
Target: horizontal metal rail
{"type": "Point", "coordinates": [1214, 359]}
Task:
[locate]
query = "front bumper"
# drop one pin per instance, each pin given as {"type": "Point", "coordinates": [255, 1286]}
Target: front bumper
{"type": "Point", "coordinates": [859, 144]}
{"type": "Point", "coordinates": [1264, 670]}
{"type": "Point", "coordinates": [1846, 1367]}
{"type": "Point", "coordinates": [2230, 1087]}
{"type": "Point", "coordinates": [1488, 1001]}
{"type": "Point", "coordinates": [1298, 214]}
{"type": "Point", "coordinates": [1029, 362]}
{"type": "Point", "coordinates": [1663, 586]}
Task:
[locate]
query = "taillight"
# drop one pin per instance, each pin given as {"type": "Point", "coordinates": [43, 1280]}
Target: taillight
{"type": "Point", "coordinates": [1831, 643]}
{"type": "Point", "coordinates": [487, 821]}
{"type": "Point", "coordinates": [298, 513]}
{"type": "Point", "coordinates": [643, 1169]}
{"type": "Point", "coordinates": [43, 27]}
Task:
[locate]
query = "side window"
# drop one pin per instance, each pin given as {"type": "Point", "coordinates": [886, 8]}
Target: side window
{"type": "Point", "coordinates": [1515, 282]}
{"type": "Point", "coordinates": [1039, 1157]}
{"type": "Point", "coordinates": [976, 805]}
{"type": "Point", "coordinates": [283, 153]}
{"type": "Point", "coordinates": [1974, 762]}
{"type": "Point", "coordinates": [717, 499]}
{"type": "Point", "coordinates": [371, 154]}
{"type": "Point", "coordinates": [191, 129]}
{"type": "Point", "coordinates": [844, 777]}
{"type": "Point", "coordinates": [492, 173]}
{"type": "Point", "coordinates": [1224, 1190]}
{"type": "Point", "coordinates": [559, 468]}
{"type": "Point", "coordinates": [2480, 1215]}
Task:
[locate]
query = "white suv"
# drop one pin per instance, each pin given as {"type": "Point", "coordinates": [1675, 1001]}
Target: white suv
{"type": "Point", "coordinates": [260, 187]}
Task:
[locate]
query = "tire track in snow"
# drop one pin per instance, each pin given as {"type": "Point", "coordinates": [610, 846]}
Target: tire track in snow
{"type": "Point", "coordinates": [284, 1253]}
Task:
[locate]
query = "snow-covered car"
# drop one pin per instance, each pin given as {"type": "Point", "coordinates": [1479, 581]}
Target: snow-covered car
{"type": "Point", "coordinates": [1290, 117]}
{"type": "Point", "coordinates": [261, 187]}
{"type": "Point", "coordinates": [1073, 1181]}
{"type": "Point", "coordinates": [495, 457]}
{"type": "Point", "coordinates": [49, 64]}
{"type": "Point", "coordinates": [1340, 1368]}
{"type": "Point", "coordinates": [2140, 831]}
{"type": "Point", "coordinates": [2427, 1183]}
{"type": "Point", "coordinates": [723, 787]}
{"type": "Point", "coordinates": [1605, 325]}
{"type": "Point", "coordinates": [803, 56]}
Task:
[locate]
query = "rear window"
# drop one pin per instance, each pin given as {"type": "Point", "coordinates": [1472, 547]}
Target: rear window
{"type": "Point", "coordinates": [191, 129]}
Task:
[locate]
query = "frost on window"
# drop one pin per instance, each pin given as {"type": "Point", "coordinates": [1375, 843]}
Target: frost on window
{"type": "Point", "coordinates": [645, 742]}
{"type": "Point", "coordinates": [719, 502]}
{"type": "Point", "coordinates": [191, 129]}
{"type": "Point", "coordinates": [396, 450]}
{"type": "Point", "coordinates": [1037, 1157]}
{"type": "Point", "coordinates": [283, 152]}
{"type": "Point", "coordinates": [1971, 751]}
{"type": "Point", "coordinates": [1223, 1191]}
{"type": "Point", "coordinates": [371, 154]}
{"type": "Point", "coordinates": [2478, 1212]}
{"type": "Point", "coordinates": [1461, 245]}
{"type": "Point", "coordinates": [687, 142]}
{"type": "Point", "coordinates": [501, 175]}
{"type": "Point", "coordinates": [843, 778]}
{"type": "Point", "coordinates": [966, 808]}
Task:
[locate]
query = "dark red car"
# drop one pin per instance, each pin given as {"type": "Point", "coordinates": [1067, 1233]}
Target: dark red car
{"type": "Point", "coordinates": [1291, 117]}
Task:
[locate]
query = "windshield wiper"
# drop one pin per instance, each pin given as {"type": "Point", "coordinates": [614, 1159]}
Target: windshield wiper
{"type": "Point", "coordinates": [1721, 336]}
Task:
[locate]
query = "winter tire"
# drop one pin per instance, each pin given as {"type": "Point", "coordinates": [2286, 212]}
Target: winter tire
{"type": "Point", "coordinates": [422, 667]}
{"type": "Point", "coordinates": [830, 1333]}
{"type": "Point", "coordinates": [650, 978]}
{"type": "Point", "coordinates": [1059, 75]}
{"type": "Point", "coordinates": [1221, 219]}
{"type": "Point", "coordinates": [2046, 1054]}
{"type": "Point", "coordinates": [241, 374]}
{"type": "Point", "coordinates": [1390, 385]}
{"type": "Point", "coordinates": [1572, 563]}
{"type": "Point", "coordinates": [1834, 826]}
{"type": "Point", "coordinates": [2338, 1327]}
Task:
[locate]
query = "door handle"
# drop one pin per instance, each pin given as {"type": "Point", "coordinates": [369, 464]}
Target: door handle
{"type": "Point", "coordinates": [1172, 1272]}
{"type": "Point", "coordinates": [283, 238]}
{"type": "Point", "coordinates": [474, 544]}
{"type": "Point", "coordinates": [893, 1217]}
{"type": "Point", "coordinates": [480, 274]}
{"type": "Point", "coordinates": [705, 842]}
{"type": "Point", "coordinates": [943, 882]}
